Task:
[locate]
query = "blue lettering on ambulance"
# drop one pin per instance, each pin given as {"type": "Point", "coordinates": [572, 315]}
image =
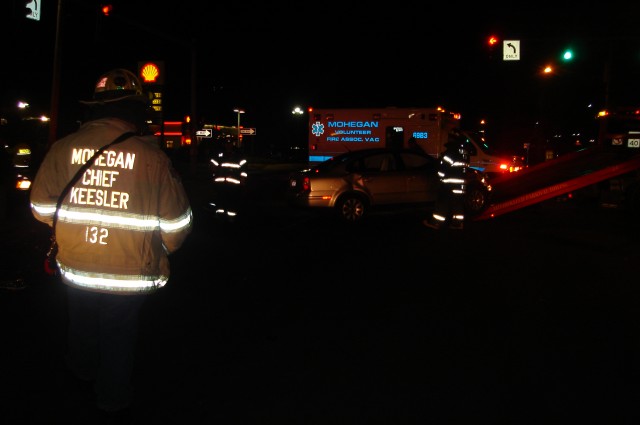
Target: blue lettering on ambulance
{"type": "Point", "coordinates": [342, 124]}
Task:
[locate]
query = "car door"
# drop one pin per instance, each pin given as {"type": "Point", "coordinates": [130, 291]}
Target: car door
{"type": "Point", "coordinates": [380, 179]}
{"type": "Point", "coordinates": [420, 173]}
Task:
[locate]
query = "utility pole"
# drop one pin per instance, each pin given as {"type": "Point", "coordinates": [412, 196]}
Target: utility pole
{"type": "Point", "coordinates": [55, 82]}
{"type": "Point", "coordinates": [194, 116]}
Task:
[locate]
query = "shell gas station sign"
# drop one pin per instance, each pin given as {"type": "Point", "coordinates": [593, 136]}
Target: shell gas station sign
{"type": "Point", "coordinates": [151, 74]}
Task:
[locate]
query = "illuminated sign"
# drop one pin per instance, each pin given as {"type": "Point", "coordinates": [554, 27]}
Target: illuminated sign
{"type": "Point", "coordinates": [156, 101]}
{"type": "Point", "coordinates": [151, 72]}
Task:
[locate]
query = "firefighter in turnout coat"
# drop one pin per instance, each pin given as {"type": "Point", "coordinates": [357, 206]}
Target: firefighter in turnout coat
{"type": "Point", "coordinates": [449, 206]}
{"type": "Point", "coordinates": [115, 231]}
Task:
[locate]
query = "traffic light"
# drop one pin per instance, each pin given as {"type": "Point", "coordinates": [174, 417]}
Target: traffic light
{"type": "Point", "coordinates": [492, 42]}
{"type": "Point", "coordinates": [106, 9]}
{"type": "Point", "coordinates": [567, 55]}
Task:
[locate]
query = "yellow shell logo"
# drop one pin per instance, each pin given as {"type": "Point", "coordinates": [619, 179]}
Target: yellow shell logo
{"type": "Point", "coordinates": [149, 73]}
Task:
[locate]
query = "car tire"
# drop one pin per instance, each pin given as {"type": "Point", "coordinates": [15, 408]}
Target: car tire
{"type": "Point", "coordinates": [351, 208]}
{"type": "Point", "coordinates": [476, 201]}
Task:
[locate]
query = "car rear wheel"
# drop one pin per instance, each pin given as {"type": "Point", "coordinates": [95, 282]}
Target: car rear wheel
{"type": "Point", "coordinates": [351, 208]}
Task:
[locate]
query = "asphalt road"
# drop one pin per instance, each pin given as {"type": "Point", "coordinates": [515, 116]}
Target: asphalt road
{"type": "Point", "coordinates": [285, 317]}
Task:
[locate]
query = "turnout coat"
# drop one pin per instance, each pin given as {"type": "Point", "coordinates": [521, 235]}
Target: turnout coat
{"type": "Point", "coordinates": [122, 218]}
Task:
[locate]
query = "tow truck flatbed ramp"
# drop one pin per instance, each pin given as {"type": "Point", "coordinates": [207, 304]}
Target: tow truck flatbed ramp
{"type": "Point", "coordinates": [557, 177]}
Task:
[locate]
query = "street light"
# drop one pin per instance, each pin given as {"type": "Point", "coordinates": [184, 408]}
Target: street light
{"type": "Point", "coordinates": [300, 128]}
{"type": "Point", "coordinates": [238, 111]}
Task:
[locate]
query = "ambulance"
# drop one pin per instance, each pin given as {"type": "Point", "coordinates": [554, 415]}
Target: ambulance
{"type": "Point", "coordinates": [335, 131]}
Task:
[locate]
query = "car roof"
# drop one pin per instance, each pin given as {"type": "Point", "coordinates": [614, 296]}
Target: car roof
{"type": "Point", "coordinates": [346, 157]}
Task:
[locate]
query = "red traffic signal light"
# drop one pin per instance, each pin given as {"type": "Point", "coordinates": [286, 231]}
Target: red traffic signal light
{"type": "Point", "coordinates": [492, 40]}
{"type": "Point", "coordinates": [106, 9]}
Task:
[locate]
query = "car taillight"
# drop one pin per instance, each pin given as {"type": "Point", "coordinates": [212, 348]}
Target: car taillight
{"type": "Point", "coordinates": [306, 183]}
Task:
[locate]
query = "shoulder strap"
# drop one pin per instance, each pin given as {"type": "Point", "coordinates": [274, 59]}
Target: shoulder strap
{"type": "Point", "coordinates": [85, 167]}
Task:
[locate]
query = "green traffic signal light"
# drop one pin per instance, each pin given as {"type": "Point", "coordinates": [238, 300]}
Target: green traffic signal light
{"type": "Point", "coordinates": [567, 55]}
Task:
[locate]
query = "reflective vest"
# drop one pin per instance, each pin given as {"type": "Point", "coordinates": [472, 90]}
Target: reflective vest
{"type": "Point", "coordinates": [122, 218]}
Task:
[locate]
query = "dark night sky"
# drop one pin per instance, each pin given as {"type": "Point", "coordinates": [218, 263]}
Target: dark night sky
{"type": "Point", "coordinates": [270, 56]}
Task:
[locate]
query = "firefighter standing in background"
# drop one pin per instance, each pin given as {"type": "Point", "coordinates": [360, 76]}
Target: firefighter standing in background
{"type": "Point", "coordinates": [449, 207]}
{"type": "Point", "coordinates": [230, 182]}
{"type": "Point", "coordinates": [115, 231]}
